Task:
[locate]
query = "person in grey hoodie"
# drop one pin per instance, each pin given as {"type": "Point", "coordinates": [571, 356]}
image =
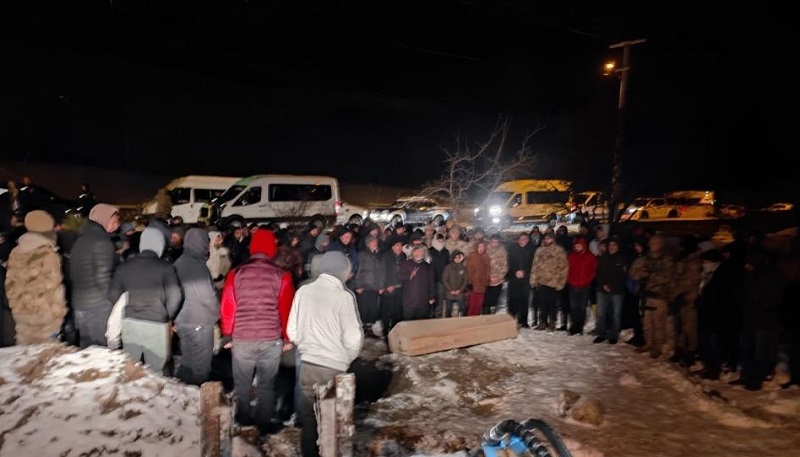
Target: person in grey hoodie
{"type": "Point", "coordinates": [200, 310]}
{"type": "Point", "coordinates": [325, 326]}
{"type": "Point", "coordinates": [154, 297]}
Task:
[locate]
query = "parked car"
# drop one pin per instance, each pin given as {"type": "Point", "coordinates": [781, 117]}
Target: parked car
{"type": "Point", "coordinates": [694, 204]}
{"type": "Point", "coordinates": [589, 205]}
{"type": "Point", "coordinates": [731, 211]}
{"type": "Point", "coordinates": [34, 197]}
{"type": "Point", "coordinates": [779, 207]}
{"type": "Point", "coordinates": [650, 208]}
{"type": "Point", "coordinates": [412, 210]}
{"type": "Point", "coordinates": [348, 213]}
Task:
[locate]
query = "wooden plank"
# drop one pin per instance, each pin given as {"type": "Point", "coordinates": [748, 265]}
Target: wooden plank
{"type": "Point", "coordinates": [210, 396]}
{"type": "Point", "coordinates": [345, 404]}
{"type": "Point", "coordinates": [434, 335]}
{"type": "Point", "coordinates": [325, 411]}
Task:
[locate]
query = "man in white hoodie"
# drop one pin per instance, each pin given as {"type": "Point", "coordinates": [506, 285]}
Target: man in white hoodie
{"type": "Point", "coordinates": [325, 326]}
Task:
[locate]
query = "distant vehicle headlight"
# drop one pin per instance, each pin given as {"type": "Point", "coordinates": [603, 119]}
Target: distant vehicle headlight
{"type": "Point", "coordinates": [495, 210]}
{"type": "Point", "coordinates": [476, 211]}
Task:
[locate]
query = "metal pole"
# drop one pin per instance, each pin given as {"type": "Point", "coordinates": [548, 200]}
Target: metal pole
{"type": "Point", "coordinates": [619, 143]}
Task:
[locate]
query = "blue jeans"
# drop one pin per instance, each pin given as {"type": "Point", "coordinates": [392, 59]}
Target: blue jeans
{"type": "Point", "coordinates": [609, 315]}
{"type": "Point", "coordinates": [252, 359]}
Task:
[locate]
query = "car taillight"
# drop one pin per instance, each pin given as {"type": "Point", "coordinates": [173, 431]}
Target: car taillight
{"type": "Point", "coordinates": [337, 207]}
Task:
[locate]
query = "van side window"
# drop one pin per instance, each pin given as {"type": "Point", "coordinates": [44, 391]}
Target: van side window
{"type": "Point", "coordinates": [250, 197]}
{"type": "Point", "coordinates": [205, 195]}
{"type": "Point", "coordinates": [299, 192]}
{"type": "Point", "coordinates": [516, 200]}
{"type": "Point", "coordinates": [180, 195]}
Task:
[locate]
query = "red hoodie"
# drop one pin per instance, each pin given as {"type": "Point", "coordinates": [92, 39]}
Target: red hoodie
{"type": "Point", "coordinates": [258, 294]}
{"type": "Point", "coordinates": [582, 266]}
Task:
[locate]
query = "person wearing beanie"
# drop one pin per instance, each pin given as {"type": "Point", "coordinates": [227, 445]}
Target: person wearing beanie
{"type": "Point", "coordinates": [345, 241]}
{"type": "Point", "coordinates": [154, 298]}
{"type": "Point", "coordinates": [454, 281]}
{"type": "Point", "coordinates": [92, 262]}
{"type": "Point", "coordinates": [34, 282]}
{"type": "Point", "coordinates": [392, 297]}
{"type": "Point", "coordinates": [199, 310]}
{"type": "Point", "coordinates": [256, 301]}
{"type": "Point", "coordinates": [325, 326]}
{"type": "Point", "coordinates": [368, 283]}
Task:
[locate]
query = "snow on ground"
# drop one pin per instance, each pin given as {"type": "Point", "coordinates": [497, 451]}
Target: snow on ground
{"type": "Point", "coordinates": [58, 401]}
{"type": "Point", "coordinates": [443, 402]}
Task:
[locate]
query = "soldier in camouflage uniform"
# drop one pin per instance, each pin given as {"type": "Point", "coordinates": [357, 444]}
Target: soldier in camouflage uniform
{"type": "Point", "coordinates": [498, 268]}
{"type": "Point", "coordinates": [688, 272]}
{"type": "Point", "coordinates": [657, 270]}
{"type": "Point", "coordinates": [548, 278]}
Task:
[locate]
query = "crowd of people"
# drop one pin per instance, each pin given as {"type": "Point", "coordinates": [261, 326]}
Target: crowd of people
{"type": "Point", "coordinates": [299, 301]}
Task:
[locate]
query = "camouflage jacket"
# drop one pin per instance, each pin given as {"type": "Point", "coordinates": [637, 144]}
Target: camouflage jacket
{"type": "Point", "coordinates": [657, 271]}
{"type": "Point", "coordinates": [688, 273]}
{"type": "Point", "coordinates": [498, 264]}
{"type": "Point", "coordinates": [550, 267]}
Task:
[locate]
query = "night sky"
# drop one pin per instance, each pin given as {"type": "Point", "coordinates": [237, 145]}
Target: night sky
{"type": "Point", "coordinates": [372, 91]}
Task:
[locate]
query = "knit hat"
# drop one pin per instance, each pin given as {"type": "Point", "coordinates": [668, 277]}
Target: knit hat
{"type": "Point", "coordinates": [39, 221]}
{"type": "Point", "coordinates": [392, 240]}
{"type": "Point", "coordinates": [549, 235]}
{"type": "Point", "coordinates": [334, 263]}
{"type": "Point", "coordinates": [264, 242]}
{"type": "Point", "coordinates": [369, 239]}
{"type": "Point", "coordinates": [321, 242]}
{"type": "Point", "coordinates": [152, 240]}
{"type": "Point", "coordinates": [102, 213]}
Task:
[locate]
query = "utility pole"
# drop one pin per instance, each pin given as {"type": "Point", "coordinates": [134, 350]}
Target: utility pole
{"type": "Point", "coordinates": [619, 143]}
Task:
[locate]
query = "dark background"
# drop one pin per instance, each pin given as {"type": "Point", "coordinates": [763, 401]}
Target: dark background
{"type": "Point", "coordinates": [372, 91]}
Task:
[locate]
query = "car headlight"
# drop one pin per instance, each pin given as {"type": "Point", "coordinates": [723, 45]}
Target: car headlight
{"type": "Point", "coordinates": [476, 211]}
{"type": "Point", "coordinates": [495, 210]}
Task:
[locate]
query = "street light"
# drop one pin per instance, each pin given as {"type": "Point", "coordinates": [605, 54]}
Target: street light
{"type": "Point", "coordinates": [616, 171]}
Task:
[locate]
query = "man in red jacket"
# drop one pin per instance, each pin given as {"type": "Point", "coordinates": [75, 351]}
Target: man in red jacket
{"type": "Point", "coordinates": [256, 301]}
{"type": "Point", "coordinates": [582, 269]}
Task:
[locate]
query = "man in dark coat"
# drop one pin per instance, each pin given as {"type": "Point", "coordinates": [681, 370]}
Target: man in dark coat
{"type": "Point", "coordinates": [520, 260]}
{"type": "Point", "coordinates": [199, 311]}
{"type": "Point", "coordinates": [714, 306]}
{"type": "Point", "coordinates": [419, 291]}
{"type": "Point", "coordinates": [91, 265]}
{"type": "Point", "coordinates": [392, 297]}
{"type": "Point", "coordinates": [154, 298]}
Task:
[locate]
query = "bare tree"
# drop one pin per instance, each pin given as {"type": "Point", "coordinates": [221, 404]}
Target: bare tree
{"type": "Point", "coordinates": [482, 166]}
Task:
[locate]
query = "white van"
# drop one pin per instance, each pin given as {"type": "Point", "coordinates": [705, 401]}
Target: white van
{"type": "Point", "coordinates": [526, 201]}
{"type": "Point", "coordinates": [280, 198]}
{"type": "Point", "coordinates": [192, 196]}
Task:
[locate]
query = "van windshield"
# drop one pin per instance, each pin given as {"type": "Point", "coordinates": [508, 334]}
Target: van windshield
{"type": "Point", "coordinates": [499, 198]}
{"type": "Point", "coordinates": [533, 198]}
{"type": "Point", "coordinates": [232, 192]}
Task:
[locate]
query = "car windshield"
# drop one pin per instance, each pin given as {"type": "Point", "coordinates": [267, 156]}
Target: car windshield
{"type": "Point", "coordinates": [232, 192]}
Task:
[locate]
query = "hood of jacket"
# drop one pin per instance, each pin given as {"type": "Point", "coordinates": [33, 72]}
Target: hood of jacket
{"type": "Point", "coordinates": [32, 240]}
{"type": "Point", "coordinates": [196, 240]}
{"type": "Point", "coordinates": [263, 242]}
{"type": "Point", "coordinates": [152, 240]}
{"type": "Point", "coordinates": [334, 263]}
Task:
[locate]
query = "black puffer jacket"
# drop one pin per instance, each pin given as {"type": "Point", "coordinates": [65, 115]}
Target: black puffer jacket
{"type": "Point", "coordinates": [200, 302]}
{"type": "Point", "coordinates": [91, 266]}
{"type": "Point", "coordinates": [152, 285]}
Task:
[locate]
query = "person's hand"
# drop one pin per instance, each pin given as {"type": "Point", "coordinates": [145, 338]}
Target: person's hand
{"type": "Point", "coordinates": [380, 291]}
{"type": "Point", "coordinates": [359, 290]}
{"type": "Point", "coordinates": [606, 288]}
{"type": "Point", "coordinates": [519, 274]}
{"type": "Point", "coordinates": [431, 301]}
{"type": "Point", "coordinates": [390, 289]}
{"type": "Point", "coordinates": [287, 346]}
{"type": "Point", "coordinates": [226, 342]}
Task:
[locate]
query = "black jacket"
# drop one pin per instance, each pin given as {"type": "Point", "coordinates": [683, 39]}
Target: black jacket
{"type": "Point", "coordinates": [91, 265]}
{"type": "Point", "coordinates": [200, 303]}
{"type": "Point", "coordinates": [154, 293]}
{"type": "Point", "coordinates": [520, 258]}
{"type": "Point", "coordinates": [612, 271]}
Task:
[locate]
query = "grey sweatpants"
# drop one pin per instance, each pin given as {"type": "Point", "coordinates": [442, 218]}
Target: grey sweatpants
{"type": "Point", "coordinates": [149, 341]}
